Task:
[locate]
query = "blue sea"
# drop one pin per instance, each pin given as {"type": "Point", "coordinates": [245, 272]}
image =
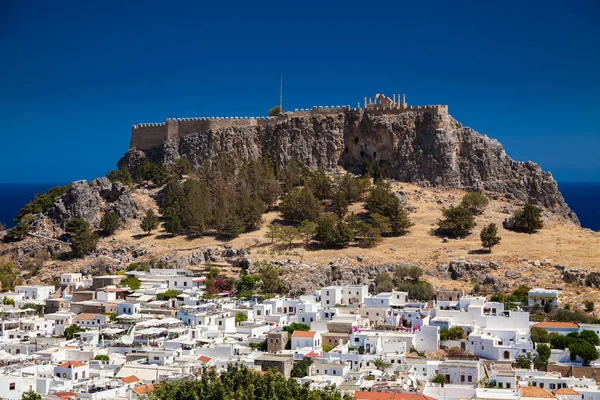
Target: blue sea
{"type": "Point", "coordinates": [583, 198]}
{"type": "Point", "coordinates": [14, 195]}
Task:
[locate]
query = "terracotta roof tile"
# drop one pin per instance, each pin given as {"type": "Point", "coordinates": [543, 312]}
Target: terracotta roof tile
{"type": "Point", "coordinates": [312, 354]}
{"type": "Point", "coordinates": [557, 325]}
{"type": "Point", "coordinates": [566, 391]}
{"type": "Point", "coordinates": [65, 395]}
{"type": "Point", "coordinates": [68, 364]}
{"type": "Point", "coordinates": [304, 334]}
{"type": "Point", "coordinates": [536, 392]}
{"type": "Point", "coordinates": [85, 316]}
{"type": "Point", "coordinates": [130, 379]}
{"type": "Point", "coordinates": [140, 390]}
{"type": "Point", "coordinates": [204, 359]}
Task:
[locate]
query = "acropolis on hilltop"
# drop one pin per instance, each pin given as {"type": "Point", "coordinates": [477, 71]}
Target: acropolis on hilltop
{"type": "Point", "coordinates": [149, 135]}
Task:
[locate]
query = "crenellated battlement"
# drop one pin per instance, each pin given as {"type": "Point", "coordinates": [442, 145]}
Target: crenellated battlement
{"type": "Point", "coordinates": [145, 136]}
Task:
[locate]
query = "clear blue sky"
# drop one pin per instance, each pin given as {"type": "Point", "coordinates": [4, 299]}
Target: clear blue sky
{"type": "Point", "coordinates": [76, 75]}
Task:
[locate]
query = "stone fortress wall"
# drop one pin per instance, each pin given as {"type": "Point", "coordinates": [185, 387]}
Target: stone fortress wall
{"type": "Point", "coordinates": [150, 135]}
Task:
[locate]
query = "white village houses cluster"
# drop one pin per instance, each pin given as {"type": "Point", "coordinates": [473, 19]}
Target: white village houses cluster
{"type": "Point", "coordinates": [129, 340]}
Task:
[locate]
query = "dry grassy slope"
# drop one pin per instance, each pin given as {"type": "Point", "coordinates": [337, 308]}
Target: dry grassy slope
{"type": "Point", "coordinates": [562, 241]}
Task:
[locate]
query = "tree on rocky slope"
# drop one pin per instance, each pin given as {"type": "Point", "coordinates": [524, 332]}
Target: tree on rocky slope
{"type": "Point", "coordinates": [299, 205]}
{"type": "Point", "coordinates": [528, 220]}
{"type": "Point", "coordinates": [457, 221]}
{"type": "Point", "coordinates": [149, 222]}
{"type": "Point", "coordinates": [489, 236]}
{"type": "Point", "coordinates": [381, 200]}
{"type": "Point", "coordinates": [172, 224]}
{"type": "Point", "coordinates": [110, 222]}
{"type": "Point", "coordinates": [475, 201]}
{"type": "Point", "coordinates": [18, 232]}
{"type": "Point", "coordinates": [9, 277]}
{"type": "Point", "coordinates": [120, 175]}
{"type": "Point", "coordinates": [333, 232]}
{"type": "Point", "coordinates": [83, 240]}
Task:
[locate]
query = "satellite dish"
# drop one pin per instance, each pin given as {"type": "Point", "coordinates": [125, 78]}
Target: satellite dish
{"type": "Point", "coordinates": [126, 339]}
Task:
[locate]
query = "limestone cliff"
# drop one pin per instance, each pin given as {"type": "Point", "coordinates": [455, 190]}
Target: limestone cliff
{"type": "Point", "coordinates": [88, 200]}
{"type": "Point", "coordinates": [411, 146]}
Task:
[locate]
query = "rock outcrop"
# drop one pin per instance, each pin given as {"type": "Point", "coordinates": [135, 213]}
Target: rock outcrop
{"type": "Point", "coordinates": [89, 200]}
{"type": "Point", "coordinates": [411, 147]}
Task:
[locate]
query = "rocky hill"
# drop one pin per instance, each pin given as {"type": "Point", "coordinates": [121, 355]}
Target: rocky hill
{"type": "Point", "coordinates": [409, 147]}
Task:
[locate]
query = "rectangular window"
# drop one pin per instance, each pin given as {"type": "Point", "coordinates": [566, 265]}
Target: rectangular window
{"type": "Point", "coordinates": [469, 378]}
{"type": "Point", "coordinates": [462, 378]}
{"type": "Point", "coordinates": [12, 386]}
{"type": "Point", "coordinates": [508, 385]}
{"type": "Point", "coordinates": [156, 358]}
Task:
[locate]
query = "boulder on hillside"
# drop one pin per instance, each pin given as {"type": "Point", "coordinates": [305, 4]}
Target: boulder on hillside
{"type": "Point", "coordinates": [88, 200]}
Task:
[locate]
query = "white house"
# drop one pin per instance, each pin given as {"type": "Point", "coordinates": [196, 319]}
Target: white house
{"type": "Point", "coordinates": [354, 294]}
{"type": "Point", "coordinates": [161, 357]}
{"type": "Point", "coordinates": [331, 295]}
{"type": "Point", "coordinates": [62, 320]}
{"type": "Point", "coordinates": [186, 282]}
{"type": "Point", "coordinates": [302, 339]}
{"type": "Point", "coordinates": [308, 312]}
{"type": "Point", "coordinates": [128, 308]}
{"type": "Point", "coordinates": [75, 280]}
{"type": "Point", "coordinates": [88, 320]}
{"type": "Point", "coordinates": [225, 323]}
{"type": "Point", "coordinates": [13, 386]}
{"type": "Point", "coordinates": [35, 292]}
{"type": "Point", "coordinates": [329, 368]}
{"type": "Point", "coordinates": [262, 309]}
{"type": "Point", "coordinates": [541, 297]}
{"type": "Point", "coordinates": [387, 299]}
{"type": "Point", "coordinates": [72, 370]}
{"type": "Point", "coordinates": [497, 344]}
{"type": "Point", "coordinates": [107, 295]}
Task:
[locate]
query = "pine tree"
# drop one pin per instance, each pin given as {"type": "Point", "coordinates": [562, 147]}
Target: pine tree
{"type": "Point", "coordinates": [173, 224]}
{"type": "Point", "coordinates": [110, 222]}
{"type": "Point", "coordinates": [149, 222]}
{"type": "Point", "coordinates": [273, 232]}
{"type": "Point", "coordinates": [458, 221]}
{"type": "Point", "coordinates": [489, 236]}
{"type": "Point", "coordinates": [307, 230]}
{"type": "Point", "coordinates": [529, 219]}
{"type": "Point", "coordinates": [475, 201]}
{"type": "Point", "coordinates": [83, 240]}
